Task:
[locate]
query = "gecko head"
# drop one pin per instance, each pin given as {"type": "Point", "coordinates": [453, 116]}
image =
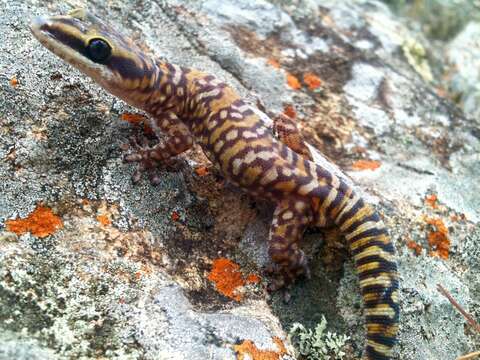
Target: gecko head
{"type": "Point", "coordinates": [95, 48]}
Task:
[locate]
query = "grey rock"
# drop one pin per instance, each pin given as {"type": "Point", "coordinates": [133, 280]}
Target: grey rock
{"type": "Point", "coordinates": [463, 55]}
{"type": "Point", "coordinates": [13, 346]}
{"type": "Point", "coordinates": [137, 287]}
{"type": "Point", "coordinates": [438, 19]}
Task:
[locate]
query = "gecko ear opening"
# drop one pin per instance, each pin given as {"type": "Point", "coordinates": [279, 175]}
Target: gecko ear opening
{"type": "Point", "coordinates": [99, 50]}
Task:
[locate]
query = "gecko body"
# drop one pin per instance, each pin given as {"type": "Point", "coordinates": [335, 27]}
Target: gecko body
{"type": "Point", "coordinates": [190, 106]}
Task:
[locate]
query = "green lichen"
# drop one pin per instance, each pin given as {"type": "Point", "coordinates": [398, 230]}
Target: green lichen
{"type": "Point", "coordinates": [317, 344]}
{"type": "Point", "coordinates": [417, 57]}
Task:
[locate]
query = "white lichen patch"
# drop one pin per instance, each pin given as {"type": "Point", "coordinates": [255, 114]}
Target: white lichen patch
{"type": "Point", "coordinates": [317, 344]}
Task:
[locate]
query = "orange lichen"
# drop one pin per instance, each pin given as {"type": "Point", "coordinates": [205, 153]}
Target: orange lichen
{"type": "Point", "coordinates": [143, 272]}
{"type": "Point", "coordinates": [175, 216]}
{"type": "Point", "coordinates": [438, 239]}
{"type": "Point", "coordinates": [458, 217]}
{"type": "Point", "coordinates": [201, 171]}
{"type": "Point", "coordinates": [248, 350]}
{"type": "Point", "coordinates": [137, 119]}
{"type": "Point", "coordinates": [147, 129]}
{"type": "Point", "coordinates": [104, 219]}
{"type": "Point", "coordinates": [133, 118]}
{"type": "Point", "coordinates": [366, 165]}
{"type": "Point", "coordinates": [417, 248]}
{"type": "Point", "coordinates": [42, 222]}
{"type": "Point", "coordinates": [359, 149]}
{"type": "Point", "coordinates": [253, 279]}
{"type": "Point", "coordinates": [14, 81]}
{"type": "Point", "coordinates": [313, 81]}
{"type": "Point", "coordinates": [431, 200]}
{"type": "Point", "coordinates": [229, 279]}
{"type": "Point", "coordinates": [328, 22]}
{"type": "Point", "coordinates": [274, 63]}
{"type": "Point", "coordinates": [293, 82]}
{"type": "Point", "coordinates": [289, 110]}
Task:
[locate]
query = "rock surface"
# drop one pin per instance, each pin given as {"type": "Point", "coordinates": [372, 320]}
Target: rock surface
{"type": "Point", "coordinates": [111, 270]}
{"type": "Point", "coordinates": [463, 54]}
{"type": "Point", "coordinates": [438, 19]}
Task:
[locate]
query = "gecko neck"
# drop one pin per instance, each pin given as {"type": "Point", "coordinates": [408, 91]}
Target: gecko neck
{"type": "Point", "coordinates": [167, 91]}
{"type": "Point", "coordinates": [191, 94]}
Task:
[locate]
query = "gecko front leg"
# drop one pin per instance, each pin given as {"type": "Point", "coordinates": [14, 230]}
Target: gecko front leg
{"type": "Point", "coordinates": [178, 141]}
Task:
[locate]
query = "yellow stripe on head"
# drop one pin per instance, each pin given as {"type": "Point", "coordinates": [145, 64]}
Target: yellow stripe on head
{"type": "Point", "coordinates": [95, 48]}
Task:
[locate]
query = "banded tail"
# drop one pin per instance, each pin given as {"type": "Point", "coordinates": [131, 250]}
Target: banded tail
{"type": "Point", "coordinates": [374, 257]}
{"type": "Point", "coordinates": [369, 243]}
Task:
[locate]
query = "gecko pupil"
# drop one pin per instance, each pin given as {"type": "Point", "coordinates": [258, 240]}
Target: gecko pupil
{"type": "Point", "coordinates": [98, 50]}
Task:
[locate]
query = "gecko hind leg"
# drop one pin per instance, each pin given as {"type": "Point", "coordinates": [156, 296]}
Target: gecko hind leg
{"type": "Point", "coordinates": [288, 133]}
{"type": "Point", "coordinates": [290, 219]}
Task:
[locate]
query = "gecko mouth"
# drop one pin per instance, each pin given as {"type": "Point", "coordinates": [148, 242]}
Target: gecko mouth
{"type": "Point", "coordinates": [51, 32]}
{"type": "Point", "coordinates": [39, 28]}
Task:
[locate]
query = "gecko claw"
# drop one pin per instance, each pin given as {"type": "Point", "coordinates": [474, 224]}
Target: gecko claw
{"type": "Point", "coordinates": [138, 142]}
{"type": "Point", "coordinates": [276, 284]}
{"type": "Point", "coordinates": [302, 268]}
{"type": "Point", "coordinates": [154, 178]}
{"type": "Point", "coordinates": [307, 273]}
{"type": "Point", "coordinates": [137, 175]}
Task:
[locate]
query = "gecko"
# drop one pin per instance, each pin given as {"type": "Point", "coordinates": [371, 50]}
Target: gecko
{"type": "Point", "coordinates": [188, 106]}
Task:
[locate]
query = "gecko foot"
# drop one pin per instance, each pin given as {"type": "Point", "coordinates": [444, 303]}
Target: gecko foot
{"type": "Point", "coordinates": [283, 276]}
{"type": "Point", "coordinates": [145, 156]}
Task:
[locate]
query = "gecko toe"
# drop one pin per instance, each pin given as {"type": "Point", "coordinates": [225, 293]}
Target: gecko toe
{"type": "Point", "coordinates": [276, 284]}
{"type": "Point", "coordinates": [301, 266]}
{"type": "Point", "coordinates": [153, 176]}
{"type": "Point", "coordinates": [307, 273]}
{"type": "Point", "coordinates": [135, 157]}
{"type": "Point", "coordinates": [284, 275]}
{"type": "Point", "coordinates": [137, 175]}
{"type": "Point", "coordinates": [287, 296]}
{"type": "Point", "coordinates": [279, 285]}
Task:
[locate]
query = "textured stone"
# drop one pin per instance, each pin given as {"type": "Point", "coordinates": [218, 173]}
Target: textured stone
{"type": "Point", "coordinates": [126, 279]}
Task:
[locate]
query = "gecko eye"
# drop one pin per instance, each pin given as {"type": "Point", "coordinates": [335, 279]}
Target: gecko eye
{"type": "Point", "coordinates": [98, 50]}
